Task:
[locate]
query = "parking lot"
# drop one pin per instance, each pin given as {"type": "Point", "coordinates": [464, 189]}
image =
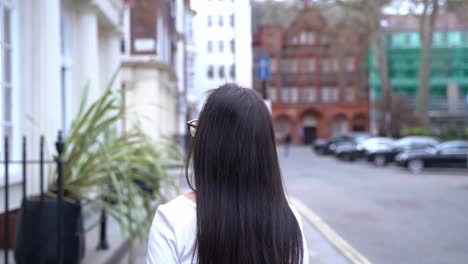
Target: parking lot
{"type": "Point", "coordinates": [388, 214]}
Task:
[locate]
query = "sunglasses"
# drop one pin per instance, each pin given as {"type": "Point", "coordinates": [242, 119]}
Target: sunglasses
{"type": "Point", "coordinates": [192, 126]}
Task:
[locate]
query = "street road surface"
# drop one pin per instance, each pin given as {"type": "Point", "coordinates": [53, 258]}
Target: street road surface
{"type": "Point", "coordinates": [387, 214]}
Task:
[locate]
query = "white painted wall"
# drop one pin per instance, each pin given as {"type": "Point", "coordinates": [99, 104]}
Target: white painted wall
{"type": "Point", "coordinates": [150, 97]}
{"type": "Point", "coordinates": [241, 33]}
{"type": "Point", "coordinates": [37, 65]}
{"type": "Point", "coordinates": [180, 65]}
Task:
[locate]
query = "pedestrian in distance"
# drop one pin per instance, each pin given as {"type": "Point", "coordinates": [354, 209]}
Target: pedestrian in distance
{"type": "Point", "coordinates": [287, 144]}
{"type": "Point", "coordinates": [238, 211]}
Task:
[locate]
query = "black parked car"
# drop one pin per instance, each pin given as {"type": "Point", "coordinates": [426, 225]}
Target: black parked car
{"type": "Point", "coordinates": [322, 146]}
{"type": "Point", "coordinates": [385, 154]}
{"type": "Point", "coordinates": [358, 149]}
{"type": "Point", "coordinates": [451, 154]}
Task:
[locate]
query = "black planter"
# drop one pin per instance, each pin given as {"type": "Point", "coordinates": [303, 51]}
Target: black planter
{"type": "Point", "coordinates": [36, 232]}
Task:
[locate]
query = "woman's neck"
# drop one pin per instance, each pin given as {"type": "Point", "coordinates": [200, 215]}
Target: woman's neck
{"type": "Point", "coordinates": [192, 196]}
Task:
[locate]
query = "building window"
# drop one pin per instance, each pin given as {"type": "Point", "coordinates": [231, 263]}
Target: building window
{"type": "Point", "coordinates": [231, 20]}
{"type": "Point", "coordinates": [294, 96]}
{"type": "Point", "coordinates": [350, 94]}
{"type": "Point", "coordinates": [310, 65]}
{"type": "Point", "coordinates": [310, 38]}
{"type": "Point", "coordinates": [293, 65]}
{"type": "Point", "coordinates": [210, 21]}
{"type": "Point", "coordinates": [209, 46]}
{"type": "Point", "coordinates": [233, 46]}
{"type": "Point", "coordinates": [325, 65]}
{"type": "Point", "coordinates": [407, 38]}
{"type": "Point", "coordinates": [310, 94]}
{"type": "Point", "coordinates": [444, 38]}
{"type": "Point", "coordinates": [303, 37]}
{"type": "Point", "coordinates": [350, 67]}
{"type": "Point", "coordinates": [335, 96]}
{"type": "Point", "coordinates": [232, 72]}
{"type": "Point", "coordinates": [464, 37]}
{"type": "Point", "coordinates": [294, 40]}
{"type": "Point", "coordinates": [220, 21]}
{"type": "Point", "coordinates": [66, 67]}
{"type": "Point", "coordinates": [210, 72]}
{"type": "Point", "coordinates": [6, 86]}
{"type": "Point", "coordinates": [326, 94]}
{"type": "Point", "coordinates": [284, 94]}
{"type": "Point", "coordinates": [273, 65]}
{"type": "Point", "coordinates": [272, 94]}
{"type": "Point", "coordinates": [336, 65]}
{"type": "Point", "coordinates": [221, 46]}
{"type": "Point", "coordinates": [221, 72]}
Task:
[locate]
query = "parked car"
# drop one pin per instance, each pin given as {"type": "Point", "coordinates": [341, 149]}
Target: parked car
{"type": "Point", "coordinates": [451, 154]}
{"type": "Point", "coordinates": [358, 148]}
{"type": "Point", "coordinates": [385, 154]}
{"type": "Point", "coordinates": [322, 146]}
{"type": "Point", "coordinates": [329, 146]}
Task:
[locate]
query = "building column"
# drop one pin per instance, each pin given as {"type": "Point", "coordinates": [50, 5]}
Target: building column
{"type": "Point", "coordinates": [109, 51]}
{"type": "Point", "coordinates": [39, 65]}
{"type": "Point", "coordinates": [85, 55]}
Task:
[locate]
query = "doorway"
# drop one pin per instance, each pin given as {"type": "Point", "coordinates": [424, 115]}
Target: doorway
{"type": "Point", "coordinates": [310, 134]}
{"type": "Point", "coordinates": [310, 129]}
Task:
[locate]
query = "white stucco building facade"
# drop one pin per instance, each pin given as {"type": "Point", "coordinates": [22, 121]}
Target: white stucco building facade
{"type": "Point", "coordinates": [222, 33]}
{"type": "Point", "coordinates": [50, 50]}
{"type": "Point", "coordinates": [150, 66]}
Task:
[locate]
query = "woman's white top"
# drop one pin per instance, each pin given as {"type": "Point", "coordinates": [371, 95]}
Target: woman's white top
{"type": "Point", "coordinates": [173, 232]}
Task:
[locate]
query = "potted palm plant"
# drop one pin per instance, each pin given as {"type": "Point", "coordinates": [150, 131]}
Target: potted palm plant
{"type": "Point", "coordinates": [103, 167]}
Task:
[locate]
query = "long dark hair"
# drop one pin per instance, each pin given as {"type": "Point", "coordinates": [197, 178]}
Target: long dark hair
{"type": "Point", "coordinates": [242, 212]}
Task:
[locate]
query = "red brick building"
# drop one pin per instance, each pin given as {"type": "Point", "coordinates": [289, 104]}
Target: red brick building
{"type": "Point", "coordinates": [318, 84]}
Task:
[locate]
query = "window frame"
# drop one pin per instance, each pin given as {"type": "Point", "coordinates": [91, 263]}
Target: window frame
{"type": "Point", "coordinates": [325, 62]}
{"type": "Point", "coordinates": [232, 44]}
{"type": "Point", "coordinates": [335, 94]}
{"type": "Point", "coordinates": [209, 21]}
{"type": "Point", "coordinates": [210, 72]}
{"type": "Point", "coordinates": [232, 72]}
{"type": "Point", "coordinates": [325, 95]}
{"type": "Point", "coordinates": [350, 64]}
{"type": "Point", "coordinates": [293, 65]}
{"type": "Point", "coordinates": [222, 72]}
{"type": "Point", "coordinates": [335, 64]}
{"type": "Point", "coordinates": [272, 94]}
{"type": "Point", "coordinates": [15, 95]}
{"type": "Point", "coordinates": [310, 94]}
{"type": "Point", "coordinates": [221, 46]}
{"type": "Point", "coordinates": [232, 21]}
{"type": "Point", "coordinates": [310, 39]}
{"type": "Point", "coordinates": [293, 94]}
{"type": "Point", "coordinates": [311, 65]}
{"type": "Point", "coordinates": [284, 96]}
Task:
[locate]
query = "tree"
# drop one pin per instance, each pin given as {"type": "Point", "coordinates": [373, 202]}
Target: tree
{"type": "Point", "coordinates": [369, 14]}
{"type": "Point", "coordinates": [426, 29]}
{"type": "Point", "coordinates": [427, 19]}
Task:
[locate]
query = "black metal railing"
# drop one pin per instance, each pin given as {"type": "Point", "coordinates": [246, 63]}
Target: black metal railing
{"type": "Point", "coordinates": [59, 162]}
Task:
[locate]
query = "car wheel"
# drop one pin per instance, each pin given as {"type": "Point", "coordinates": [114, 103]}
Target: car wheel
{"type": "Point", "coordinates": [415, 166]}
{"type": "Point", "coordinates": [380, 160]}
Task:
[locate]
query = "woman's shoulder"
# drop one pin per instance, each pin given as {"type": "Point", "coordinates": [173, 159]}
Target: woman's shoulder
{"type": "Point", "coordinates": [177, 211]}
{"type": "Point", "coordinates": [181, 205]}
